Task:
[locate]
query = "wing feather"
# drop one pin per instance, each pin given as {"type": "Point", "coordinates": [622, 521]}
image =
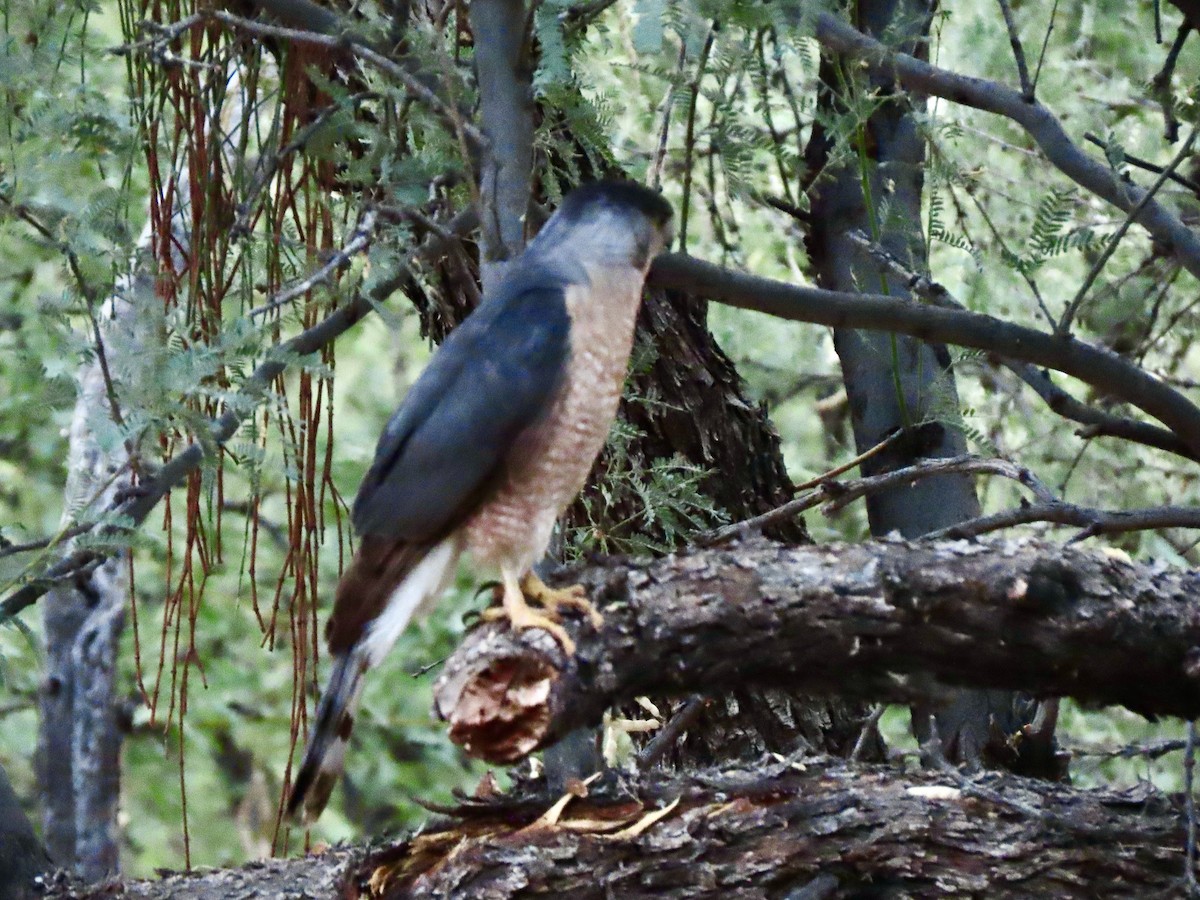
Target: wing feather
{"type": "Point", "coordinates": [492, 378]}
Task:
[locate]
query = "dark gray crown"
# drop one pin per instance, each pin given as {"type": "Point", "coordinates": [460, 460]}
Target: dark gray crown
{"type": "Point", "coordinates": [617, 195]}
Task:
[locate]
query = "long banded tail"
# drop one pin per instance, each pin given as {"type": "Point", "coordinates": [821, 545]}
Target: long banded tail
{"type": "Point", "coordinates": [326, 751]}
{"type": "Point", "coordinates": [384, 587]}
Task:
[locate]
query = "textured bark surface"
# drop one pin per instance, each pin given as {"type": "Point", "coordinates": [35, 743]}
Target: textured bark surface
{"type": "Point", "coordinates": [808, 828]}
{"type": "Point", "coordinates": [889, 620]}
{"type": "Point", "coordinates": [317, 877]}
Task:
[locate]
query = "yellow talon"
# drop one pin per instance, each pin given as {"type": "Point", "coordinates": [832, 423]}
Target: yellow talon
{"type": "Point", "coordinates": [515, 607]}
{"type": "Point", "coordinates": [520, 616]}
{"type": "Point", "coordinates": [551, 599]}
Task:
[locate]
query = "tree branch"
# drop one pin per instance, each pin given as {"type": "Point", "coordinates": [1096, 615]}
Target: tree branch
{"type": "Point", "coordinates": [889, 620]}
{"type": "Point", "coordinates": [506, 114]}
{"type": "Point", "coordinates": [815, 828]}
{"type": "Point", "coordinates": [836, 495]}
{"type": "Point", "coordinates": [1092, 365]}
{"type": "Point", "coordinates": [1092, 521]}
{"type": "Point", "coordinates": [1036, 119]}
{"type": "Point", "coordinates": [1060, 401]}
{"type": "Point", "coordinates": [1018, 52]}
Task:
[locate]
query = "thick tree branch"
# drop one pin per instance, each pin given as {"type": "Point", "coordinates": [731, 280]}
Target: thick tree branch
{"type": "Point", "coordinates": [1036, 119]}
{"type": "Point", "coordinates": [883, 620]}
{"type": "Point", "coordinates": [1098, 421]}
{"type": "Point", "coordinates": [813, 828]}
{"type": "Point", "coordinates": [504, 75]}
{"type": "Point", "coordinates": [1092, 365]}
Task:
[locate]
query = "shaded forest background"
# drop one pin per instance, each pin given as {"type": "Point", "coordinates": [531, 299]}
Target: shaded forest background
{"type": "Point", "coordinates": [202, 168]}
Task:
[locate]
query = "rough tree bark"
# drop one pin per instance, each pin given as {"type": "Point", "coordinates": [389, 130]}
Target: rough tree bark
{"type": "Point", "coordinates": [889, 620]}
{"type": "Point", "coordinates": [1024, 614]}
{"type": "Point", "coordinates": [893, 382]}
{"type": "Point", "coordinates": [810, 828]}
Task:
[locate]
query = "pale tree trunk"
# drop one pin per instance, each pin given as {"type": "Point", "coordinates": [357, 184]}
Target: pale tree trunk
{"type": "Point", "coordinates": [79, 738]}
{"type": "Point", "coordinates": [81, 727]}
{"type": "Point", "coordinates": [80, 731]}
{"type": "Point", "coordinates": [895, 382]}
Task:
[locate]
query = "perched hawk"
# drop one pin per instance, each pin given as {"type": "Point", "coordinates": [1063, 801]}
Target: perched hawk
{"type": "Point", "coordinates": [492, 443]}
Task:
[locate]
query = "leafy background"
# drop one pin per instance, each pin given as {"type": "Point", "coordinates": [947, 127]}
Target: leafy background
{"type": "Point", "coordinates": [73, 128]}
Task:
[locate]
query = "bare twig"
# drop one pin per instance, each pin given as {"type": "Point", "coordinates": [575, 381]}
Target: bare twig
{"type": "Point", "coordinates": [784, 206]}
{"type": "Point", "coordinates": [584, 14]}
{"type": "Point", "coordinates": [668, 103]}
{"type": "Point", "coordinates": [1182, 180]}
{"type": "Point", "coordinates": [1092, 521]}
{"type": "Point", "coordinates": [360, 239]}
{"type": "Point", "coordinates": [1018, 51]}
{"type": "Point", "coordinates": [840, 495]}
{"type": "Point", "coordinates": [1045, 43]}
{"type": "Point", "coordinates": [671, 731]}
{"type": "Point", "coordinates": [690, 134]}
{"type": "Point", "coordinates": [867, 454]}
{"type": "Point", "coordinates": [1064, 325]}
{"type": "Point", "coordinates": [268, 164]}
{"type": "Point", "coordinates": [1150, 750]}
{"type": "Point", "coordinates": [835, 495]}
{"type": "Point", "coordinates": [870, 727]}
{"type": "Point", "coordinates": [1161, 83]}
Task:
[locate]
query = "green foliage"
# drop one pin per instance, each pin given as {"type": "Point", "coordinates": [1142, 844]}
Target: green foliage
{"type": "Point", "coordinates": [256, 541]}
{"type": "Point", "coordinates": [642, 509]}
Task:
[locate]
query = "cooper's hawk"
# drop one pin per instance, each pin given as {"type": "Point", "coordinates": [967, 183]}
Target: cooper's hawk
{"type": "Point", "coordinates": [492, 443]}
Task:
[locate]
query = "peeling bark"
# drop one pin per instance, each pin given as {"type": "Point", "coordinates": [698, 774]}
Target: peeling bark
{"type": "Point", "coordinates": [889, 620]}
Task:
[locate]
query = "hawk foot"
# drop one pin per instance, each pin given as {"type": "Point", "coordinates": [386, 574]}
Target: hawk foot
{"type": "Point", "coordinates": [551, 599]}
{"type": "Point", "coordinates": [515, 607]}
{"type": "Point", "coordinates": [521, 616]}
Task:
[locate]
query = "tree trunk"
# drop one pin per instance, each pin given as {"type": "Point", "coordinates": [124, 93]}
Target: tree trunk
{"type": "Point", "coordinates": [79, 733]}
{"type": "Point", "coordinates": [894, 382]}
{"type": "Point", "coordinates": [81, 729]}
